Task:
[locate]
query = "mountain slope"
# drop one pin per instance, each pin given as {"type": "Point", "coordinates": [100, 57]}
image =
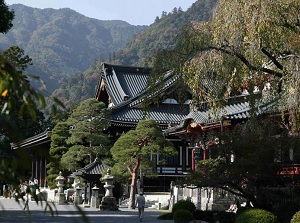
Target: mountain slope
{"type": "Point", "coordinates": [162, 33]}
{"type": "Point", "coordinates": [63, 42]}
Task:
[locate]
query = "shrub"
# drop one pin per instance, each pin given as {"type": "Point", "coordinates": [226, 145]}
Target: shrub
{"type": "Point", "coordinates": [182, 216]}
{"type": "Point", "coordinates": [166, 216]}
{"type": "Point", "coordinates": [226, 217]}
{"type": "Point", "coordinates": [184, 205]}
{"type": "Point", "coordinates": [296, 218]}
{"type": "Point", "coordinates": [286, 211]}
{"type": "Point", "coordinates": [241, 210]}
{"type": "Point", "coordinates": [254, 215]}
{"type": "Point", "coordinates": [204, 215]}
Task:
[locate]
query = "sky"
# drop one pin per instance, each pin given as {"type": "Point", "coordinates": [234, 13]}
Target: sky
{"type": "Point", "coordinates": [135, 12]}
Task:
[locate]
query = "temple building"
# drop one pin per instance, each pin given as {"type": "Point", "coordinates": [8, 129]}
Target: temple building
{"type": "Point", "coordinates": [126, 93]}
{"type": "Point", "coordinates": [37, 147]}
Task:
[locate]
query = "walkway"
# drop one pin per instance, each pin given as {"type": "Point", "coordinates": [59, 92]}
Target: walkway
{"type": "Point", "coordinates": [11, 211]}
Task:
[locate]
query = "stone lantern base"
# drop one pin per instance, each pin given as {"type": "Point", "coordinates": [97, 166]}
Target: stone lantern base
{"type": "Point", "coordinates": [60, 198]}
{"type": "Point", "coordinates": [109, 204]}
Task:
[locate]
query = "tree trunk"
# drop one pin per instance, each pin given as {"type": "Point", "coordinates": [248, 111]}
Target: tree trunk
{"type": "Point", "coordinates": [131, 202]}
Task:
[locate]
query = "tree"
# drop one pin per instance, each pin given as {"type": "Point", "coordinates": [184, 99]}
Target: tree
{"type": "Point", "coordinates": [249, 160]}
{"type": "Point", "coordinates": [15, 89]}
{"type": "Point", "coordinates": [17, 56]}
{"type": "Point", "coordinates": [58, 147]}
{"type": "Point", "coordinates": [132, 150]}
{"type": "Point", "coordinates": [245, 45]}
{"type": "Point", "coordinates": [175, 10]}
{"type": "Point", "coordinates": [87, 138]}
{"type": "Point", "coordinates": [22, 103]}
{"type": "Point", "coordinates": [6, 17]}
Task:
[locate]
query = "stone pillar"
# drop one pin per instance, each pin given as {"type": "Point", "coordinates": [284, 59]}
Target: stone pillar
{"type": "Point", "coordinates": [78, 198]}
{"type": "Point", "coordinates": [95, 197]}
{"type": "Point", "coordinates": [108, 201]}
{"type": "Point", "coordinates": [60, 196]}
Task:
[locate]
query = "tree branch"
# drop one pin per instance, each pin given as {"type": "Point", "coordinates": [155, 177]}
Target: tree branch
{"type": "Point", "coordinates": [272, 57]}
{"type": "Point", "coordinates": [245, 61]}
{"type": "Point", "coordinates": [129, 170]}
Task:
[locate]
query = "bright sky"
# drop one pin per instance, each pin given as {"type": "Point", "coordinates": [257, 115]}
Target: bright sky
{"type": "Point", "coordinates": [135, 12]}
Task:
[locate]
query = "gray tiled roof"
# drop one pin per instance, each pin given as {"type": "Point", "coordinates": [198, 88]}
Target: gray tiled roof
{"type": "Point", "coordinates": [169, 80]}
{"type": "Point", "coordinates": [237, 109]}
{"type": "Point", "coordinates": [95, 168]}
{"type": "Point", "coordinates": [233, 110]}
{"type": "Point", "coordinates": [42, 138]}
{"type": "Point", "coordinates": [131, 82]}
{"type": "Point", "coordinates": [124, 81]}
{"type": "Point", "coordinates": [164, 114]}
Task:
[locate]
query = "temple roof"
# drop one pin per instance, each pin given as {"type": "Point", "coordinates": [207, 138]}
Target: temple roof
{"type": "Point", "coordinates": [127, 89]}
{"type": "Point", "coordinates": [237, 109]}
{"type": "Point", "coordinates": [42, 138]}
{"type": "Point", "coordinates": [94, 168]}
{"type": "Point", "coordinates": [123, 83]}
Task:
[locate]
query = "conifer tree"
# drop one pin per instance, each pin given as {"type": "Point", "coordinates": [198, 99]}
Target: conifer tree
{"type": "Point", "coordinates": [132, 150]}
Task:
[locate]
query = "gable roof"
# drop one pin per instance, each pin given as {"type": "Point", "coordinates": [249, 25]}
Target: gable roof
{"type": "Point", "coordinates": [127, 89]}
{"type": "Point", "coordinates": [123, 83]}
{"type": "Point", "coordinates": [94, 168]}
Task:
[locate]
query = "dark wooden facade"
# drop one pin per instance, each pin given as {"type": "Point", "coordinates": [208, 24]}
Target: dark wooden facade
{"type": "Point", "coordinates": [38, 149]}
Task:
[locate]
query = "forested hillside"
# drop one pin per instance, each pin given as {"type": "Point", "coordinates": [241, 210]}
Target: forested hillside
{"type": "Point", "coordinates": [67, 48]}
{"type": "Point", "coordinates": [160, 35]}
{"type": "Point", "coordinates": [63, 42]}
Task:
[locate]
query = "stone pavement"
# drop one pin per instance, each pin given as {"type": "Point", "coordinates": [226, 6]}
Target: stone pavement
{"type": "Point", "coordinates": [11, 211]}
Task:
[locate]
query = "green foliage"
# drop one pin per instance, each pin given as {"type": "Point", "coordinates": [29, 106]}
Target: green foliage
{"type": "Point", "coordinates": [131, 151]}
{"type": "Point", "coordinates": [241, 210]}
{"type": "Point", "coordinates": [184, 205]}
{"type": "Point", "coordinates": [182, 216]}
{"type": "Point", "coordinates": [286, 211]}
{"type": "Point", "coordinates": [58, 147]}
{"type": "Point", "coordinates": [204, 215]}
{"type": "Point", "coordinates": [6, 17]}
{"type": "Point", "coordinates": [296, 218]}
{"type": "Point", "coordinates": [42, 34]}
{"type": "Point", "coordinates": [146, 139]}
{"type": "Point", "coordinates": [18, 58]}
{"type": "Point", "coordinates": [63, 42]}
{"type": "Point", "coordinates": [256, 216]}
{"type": "Point", "coordinates": [209, 216]}
{"type": "Point", "coordinates": [253, 167]}
{"type": "Point", "coordinates": [226, 217]}
{"type": "Point", "coordinates": [162, 34]}
{"type": "Point", "coordinates": [86, 138]}
{"type": "Point", "coordinates": [245, 45]}
{"type": "Point", "coordinates": [166, 216]}
{"type": "Point", "coordinates": [15, 86]}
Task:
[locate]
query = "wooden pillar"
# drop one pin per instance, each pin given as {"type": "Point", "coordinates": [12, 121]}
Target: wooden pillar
{"type": "Point", "coordinates": [183, 150]}
{"type": "Point", "coordinates": [193, 160]}
{"type": "Point", "coordinates": [85, 192]}
{"type": "Point", "coordinates": [32, 165]}
{"type": "Point", "coordinates": [45, 179]}
{"type": "Point", "coordinates": [205, 154]}
{"type": "Point", "coordinates": [41, 172]}
{"type": "Point", "coordinates": [36, 167]}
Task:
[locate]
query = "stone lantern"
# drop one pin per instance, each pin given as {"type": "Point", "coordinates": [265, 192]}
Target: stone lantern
{"type": "Point", "coordinates": [78, 198]}
{"type": "Point", "coordinates": [108, 201]}
{"type": "Point", "coordinates": [95, 197]}
{"type": "Point", "coordinates": [60, 196]}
